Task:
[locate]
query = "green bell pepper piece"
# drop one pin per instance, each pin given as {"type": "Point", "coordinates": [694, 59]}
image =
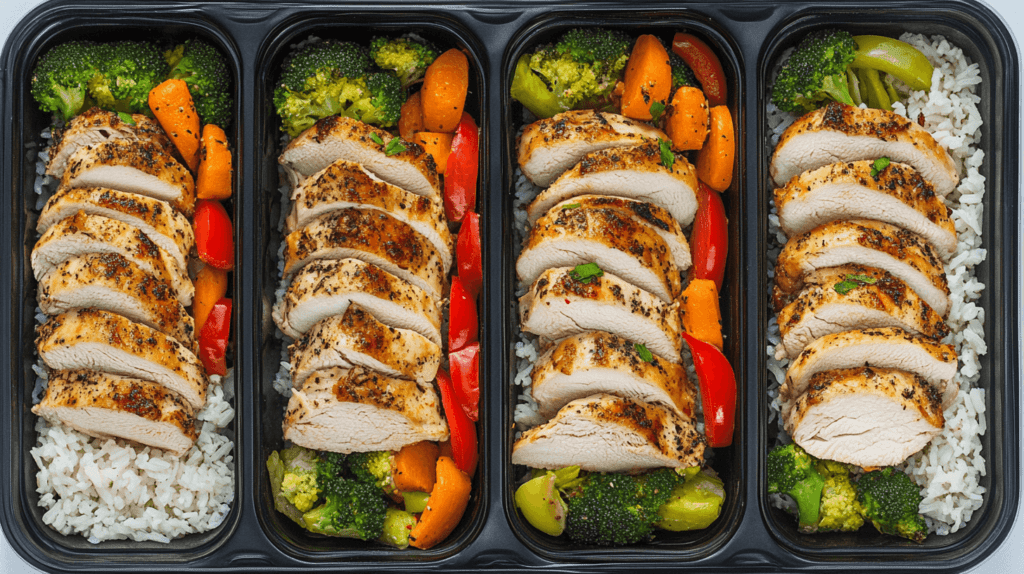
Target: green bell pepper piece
{"type": "Point", "coordinates": [903, 61]}
{"type": "Point", "coordinates": [871, 82]}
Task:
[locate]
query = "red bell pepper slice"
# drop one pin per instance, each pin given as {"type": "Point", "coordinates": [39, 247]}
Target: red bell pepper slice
{"type": "Point", "coordinates": [465, 366]}
{"type": "Point", "coordinates": [215, 237]}
{"type": "Point", "coordinates": [460, 174]}
{"type": "Point", "coordinates": [213, 339]}
{"type": "Point", "coordinates": [717, 391]}
{"type": "Point", "coordinates": [467, 254]}
{"type": "Point", "coordinates": [705, 65]}
{"type": "Point", "coordinates": [709, 240]}
{"type": "Point", "coordinates": [463, 431]}
{"type": "Point", "coordinates": [463, 327]}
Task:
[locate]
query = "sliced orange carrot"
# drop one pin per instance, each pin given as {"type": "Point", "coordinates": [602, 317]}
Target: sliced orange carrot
{"type": "Point", "coordinates": [444, 90]}
{"type": "Point", "coordinates": [648, 78]}
{"type": "Point", "coordinates": [411, 119]}
{"type": "Point", "coordinates": [701, 315]}
{"type": "Point", "coordinates": [438, 145]}
{"type": "Point", "coordinates": [715, 159]}
{"type": "Point", "coordinates": [213, 180]}
{"type": "Point", "coordinates": [173, 107]}
{"type": "Point", "coordinates": [686, 121]}
{"type": "Point", "coordinates": [415, 467]}
{"type": "Point", "coordinates": [447, 503]}
{"type": "Point", "coordinates": [211, 286]}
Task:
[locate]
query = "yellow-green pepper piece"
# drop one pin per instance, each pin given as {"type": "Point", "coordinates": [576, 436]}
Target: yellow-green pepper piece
{"type": "Point", "coordinates": [903, 61]}
{"type": "Point", "coordinates": [871, 84]}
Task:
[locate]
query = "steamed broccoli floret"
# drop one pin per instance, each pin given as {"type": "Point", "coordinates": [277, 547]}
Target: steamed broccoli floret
{"type": "Point", "coordinates": [126, 72]}
{"type": "Point", "coordinates": [374, 469]}
{"type": "Point", "coordinates": [407, 57]}
{"type": "Point", "coordinates": [815, 72]}
{"type": "Point", "coordinates": [840, 509]}
{"type": "Point", "coordinates": [579, 71]}
{"type": "Point", "coordinates": [299, 481]}
{"type": "Point", "coordinates": [791, 471]}
{"type": "Point", "coordinates": [891, 501]}
{"type": "Point", "coordinates": [607, 509]}
{"type": "Point", "coordinates": [205, 70]}
{"type": "Point", "coordinates": [682, 75]}
{"type": "Point", "coordinates": [60, 80]}
{"type": "Point", "coordinates": [352, 510]}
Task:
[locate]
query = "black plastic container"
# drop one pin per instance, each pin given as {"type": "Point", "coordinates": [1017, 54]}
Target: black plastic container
{"type": "Point", "coordinates": [750, 536]}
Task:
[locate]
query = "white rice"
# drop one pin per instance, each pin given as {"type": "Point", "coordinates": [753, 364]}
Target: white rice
{"type": "Point", "coordinates": [950, 467]}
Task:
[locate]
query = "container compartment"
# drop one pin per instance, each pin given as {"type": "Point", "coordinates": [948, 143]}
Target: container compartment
{"type": "Point", "coordinates": [359, 27]}
{"type": "Point", "coordinates": [47, 30]}
{"type": "Point", "coordinates": [973, 30]}
{"type": "Point", "coordinates": [728, 462]}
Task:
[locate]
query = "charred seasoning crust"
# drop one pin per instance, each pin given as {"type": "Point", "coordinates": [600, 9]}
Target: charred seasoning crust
{"type": "Point", "coordinates": [348, 128]}
{"type": "Point", "coordinates": [677, 440]}
{"type": "Point", "coordinates": [892, 383]}
{"type": "Point", "coordinates": [645, 156]}
{"type": "Point", "coordinates": [95, 118]}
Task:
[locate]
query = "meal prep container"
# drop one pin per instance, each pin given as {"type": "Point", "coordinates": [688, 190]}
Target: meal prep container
{"type": "Point", "coordinates": [748, 37]}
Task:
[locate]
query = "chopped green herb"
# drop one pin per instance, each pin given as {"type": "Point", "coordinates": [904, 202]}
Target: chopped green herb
{"type": "Point", "coordinates": [570, 206]}
{"type": "Point", "coordinates": [394, 146]}
{"type": "Point", "coordinates": [862, 279]}
{"type": "Point", "coordinates": [844, 287]}
{"type": "Point", "coordinates": [126, 118]}
{"type": "Point", "coordinates": [667, 157]}
{"type": "Point", "coordinates": [657, 108]}
{"type": "Point", "coordinates": [641, 350]}
{"type": "Point", "coordinates": [376, 139]}
{"type": "Point", "coordinates": [852, 282]}
{"type": "Point", "coordinates": [584, 273]}
{"type": "Point", "coordinates": [879, 166]}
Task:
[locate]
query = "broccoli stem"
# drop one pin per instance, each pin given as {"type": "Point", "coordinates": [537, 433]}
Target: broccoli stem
{"type": "Point", "coordinates": [528, 89]}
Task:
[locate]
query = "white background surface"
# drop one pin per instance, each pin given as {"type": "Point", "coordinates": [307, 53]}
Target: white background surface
{"type": "Point", "coordinates": [1008, 558]}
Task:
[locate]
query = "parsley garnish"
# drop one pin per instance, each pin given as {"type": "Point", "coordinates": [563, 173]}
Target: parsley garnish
{"type": "Point", "coordinates": [667, 157]}
{"type": "Point", "coordinates": [570, 206]}
{"type": "Point", "coordinates": [852, 282]}
{"type": "Point", "coordinates": [657, 108]}
{"type": "Point", "coordinates": [585, 273]}
{"type": "Point", "coordinates": [376, 138]}
{"type": "Point", "coordinates": [879, 166]}
{"type": "Point", "coordinates": [394, 146]}
{"type": "Point", "coordinates": [641, 350]}
{"type": "Point", "coordinates": [126, 118]}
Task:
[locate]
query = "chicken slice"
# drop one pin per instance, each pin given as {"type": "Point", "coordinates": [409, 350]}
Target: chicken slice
{"type": "Point", "coordinates": [103, 341]}
{"type": "Point", "coordinates": [655, 218]}
{"type": "Point", "coordinates": [353, 410]}
{"type": "Point", "coordinates": [838, 132]}
{"type": "Point", "coordinates": [897, 195]}
{"type": "Point", "coordinates": [82, 233]}
{"type": "Point", "coordinates": [97, 126]}
{"type": "Point", "coordinates": [110, 282]}
{"type": "Point", "coordinates": [357, 339]}
{"type": "Point", "coordinates": [325, 288]}
{"type": "Point", "coordinates": [135, 167]}
{"type": "Point", "coordinates": [169, 229]}
{"type": "Point", "coordinates": [837, 299]}
{"type": "Point", "coordinates": [634, 172]}
{"type": "Point", "coordinates": [374, 237]}
{"type": "Point", "coordinates": [549, 147]}
{"type": "Point", "coordinates": [560, 305]}
{"type": "Point", "coordinates": [611, 238]}
{"type": "Point", "coordinates": [109, 406]}
{"type": "Point", "coordinates": [605, 433]}
{"type": "Point", "coordinates": [886, 348]}
{"type": "Point", "coordinates": [344, 184]}
{"type": "Point", "coordinates": [336, 137]}
{"type": "Point", "coordinates": [866, 416]}
{"type": "Point", "coordinates": [599, 362]}
{"type": "Point", "coordinates": [868, 243]}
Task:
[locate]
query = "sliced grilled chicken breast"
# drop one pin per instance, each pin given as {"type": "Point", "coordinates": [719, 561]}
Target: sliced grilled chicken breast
{"type": "Point", "coordinates": [97, 126]}
{"type": "Point", "coordinates": [83, 233]}
{"type": "Point", "coordinates": [345, 184]}
{"type": "Point", "coordinates": [135, 167]}
{"type": "Point", "coordinates": [164, 226]}
{"type": "Point", "coordinates": [110, 282]}
{"type": "Point", "coordinates": [599, 362]}
{"type": "Point", "coordinates": [838, 132]}
{"type": "Point", "coordinates": [868, 243]}
{"type": "Point", "coordinates": [608, 237]}
{"type": "Point", "coordinates": [325, 288]}
{"type": "Point", "coordinates": [357, 339]}
{"type": "Point", "coordinates": [655, 218]}
{"type": "Point", "coordinates": [634, 172]}
{"type": "Point", "coordinates": [866, 416]}
{"type": "Point", "coordinates": [560, 305]}
{"type": "Point", "coordinates": [886, 348]}
{"type": "Point", "coordinates": [353, 410]}
{"type": "Point", "coordinates": [838, 299]}
{"type": "Point", "coordinates": [549, 147]}
{"type": "Point", "coordinates": [110, 406]}
{"type": "Point", "coordinates": [102, 341]}
{"type": "Point", "coordinates": [605, 433]}
{"type": "Point", "coordinates": [334, 138]}
{"type": "Point", "coordinates": [896, 195]}
{"type": "Point", "coordinates": [374, 237]}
